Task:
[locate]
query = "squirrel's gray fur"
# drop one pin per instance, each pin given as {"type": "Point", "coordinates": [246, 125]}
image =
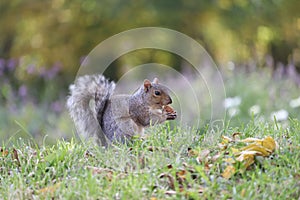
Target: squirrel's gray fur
{"type": "Point", "coordinates": [116, 117]}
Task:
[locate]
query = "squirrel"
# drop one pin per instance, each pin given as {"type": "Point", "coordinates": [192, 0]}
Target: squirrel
{"type": "Point", "coordinates": [106, 117]}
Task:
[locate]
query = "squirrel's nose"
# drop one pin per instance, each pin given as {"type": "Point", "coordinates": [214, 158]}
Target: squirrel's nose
{"type": "Point", "coordinates": [170, 100]}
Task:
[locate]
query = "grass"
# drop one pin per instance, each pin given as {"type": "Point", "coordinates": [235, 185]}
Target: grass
{"type": "Point", "coordinates": [158, 167]}
{"type": "Point", "coordinates": [167, 164]}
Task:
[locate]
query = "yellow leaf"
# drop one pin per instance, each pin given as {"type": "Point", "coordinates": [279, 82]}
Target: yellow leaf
{"type": "Point", "coordinates": [226, 139]}
{"type": "Point", "coordinates": [243, 192]}
{"type": "Point", "coordinates": [248, 140]}
{"type": "Point", "coordinates": [192, 152]}
{"type": "Point", "coordinates": [223, 145]}
{"type": "Point", "coordinates": [50, 189]}
{"type": "Point", "coordinates": [4, 152]}
{"type": "Point", "coordinates": [247, 158]}
{"type": "Point", "coordinates": [228, 172]}
{"type": "Point", "coordinates": [269, 143]}
{"type": "Point", "coordinates": [229, 160]}
{"type": "Point", "coordinates": [259, 149]}
{"type": "Point", "coordinates": [234, 150]}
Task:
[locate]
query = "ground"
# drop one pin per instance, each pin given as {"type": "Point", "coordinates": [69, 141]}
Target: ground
{"type": "Point", "coordinates": [170, 163]}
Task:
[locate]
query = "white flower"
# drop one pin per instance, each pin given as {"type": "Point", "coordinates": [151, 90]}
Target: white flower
{"type": "Point", "coordinates": [294, 103]}
{"type": "Point", "coordinates": [232, 102]}
{"type": "Point", "coordinates": [280, 115]}
{"type": "Point", "coordinates": [254, 110]}
{"type": "Point", "coordinates": [233, 111]}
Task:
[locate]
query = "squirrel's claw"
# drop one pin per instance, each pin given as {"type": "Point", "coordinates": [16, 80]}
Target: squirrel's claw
{"type": "Point", "coordinates": [171, 116]}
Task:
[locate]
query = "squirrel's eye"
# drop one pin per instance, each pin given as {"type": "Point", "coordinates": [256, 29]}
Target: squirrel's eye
{"type": "Point", "coordinates": [157, 93]}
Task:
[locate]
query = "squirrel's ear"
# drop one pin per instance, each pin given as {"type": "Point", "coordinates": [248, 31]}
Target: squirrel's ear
{"type": "Point", "coordinates": [147, 85]}
{"type": "Point", "coordinates": [155, 80]}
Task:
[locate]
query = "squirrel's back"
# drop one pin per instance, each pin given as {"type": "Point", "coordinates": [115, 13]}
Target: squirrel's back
{"type": "Point", "coordinates": [86, 88]}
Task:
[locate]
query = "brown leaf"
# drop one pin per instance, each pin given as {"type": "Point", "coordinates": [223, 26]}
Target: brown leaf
{"type": "Point", "coordinates": [181, 176]}
{"type": "Point", "coordinates": [169, 166]}
{"type": "Point", "coordinates": [151, 148]}
{"type": "Point", "coordinates": [4, 152]}
{"type": "Point", "coordinates": [170, 180]}
{"type": "Point", "coordinates": [15, 156]}
{"type": "Point", "coordinates": [235, 135]}
{"type": "Point", "coordinates": [192, 152]}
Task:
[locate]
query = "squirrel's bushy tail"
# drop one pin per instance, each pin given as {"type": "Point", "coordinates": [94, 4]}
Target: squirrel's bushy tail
{"type": "Point", "coordinates": [86, 88]}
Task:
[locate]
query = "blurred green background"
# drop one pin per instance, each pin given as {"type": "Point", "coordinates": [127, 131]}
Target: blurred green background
{"type": "Point", "coordinates": [255, 43]}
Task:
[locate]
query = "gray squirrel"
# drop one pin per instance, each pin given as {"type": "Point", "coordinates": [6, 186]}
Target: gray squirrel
{"type": "Point", "coordinates": [99, 114]}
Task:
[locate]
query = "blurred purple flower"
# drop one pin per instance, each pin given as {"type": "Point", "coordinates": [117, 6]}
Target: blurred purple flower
{"type": "Point", "coordinates": [12, 64]}
{"type": "Point", "coordinates": [22, 91]}
{"type": "Point", "coordinates": [52, 72]}
{"type": "Point", "coordinates": [31, 69]}
{"type": "Point", "coordinates": [56, 106]}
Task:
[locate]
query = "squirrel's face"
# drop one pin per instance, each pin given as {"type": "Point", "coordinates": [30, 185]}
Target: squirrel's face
{"type": "Point", "coordinates": [157, 93]}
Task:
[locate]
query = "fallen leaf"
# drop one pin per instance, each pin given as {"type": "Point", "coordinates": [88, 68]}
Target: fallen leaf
{"type": "Point", "coordinates": [4, 152]}
{"type": "Point", "coordinates": [50, 189]}
{"type": "Point", "coordinates": [192, 152]}
{"type": "Point", "coordinates": [269, 143]}
{"type": "Point", "coordinates": [226, 139]}
{"type": "Point", "coordinates": [247, 140]}
{"type": "Point", "coordinates": [247, 158]}
{"type": "Point", "coordinates": [170, 180]}
{"type": "Point", "coordinates": [169, 166]}
{"type": "Point", "coordinates": [99, 170]}
{"type": "Point", "coordinates": [229, 160]}
{"type": "Point", "coordinates": [181, 176]}
{"type": "Point", "coordinates": [235, 135]}
{"type": "Point", "coordinates": [15, 156]}
{"type": "Point", "coordinates": [170, 192]}
{"type": "Point", "coordinates": [203, 156]}
{"type": "Point", "coordinates": [246, 155]}
{"type": "Point", "coordinates": [228, 172]}
{"type": "Point", "coordinates": [260, 150]}
{"type": "Point", "coordinates": [234, 150]}
{"type": "Point", "coordinates": [223, 145]}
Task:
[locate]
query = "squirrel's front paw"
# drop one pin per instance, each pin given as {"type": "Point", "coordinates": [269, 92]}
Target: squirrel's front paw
{"type": "Point", "coordinates": [171, 113]}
